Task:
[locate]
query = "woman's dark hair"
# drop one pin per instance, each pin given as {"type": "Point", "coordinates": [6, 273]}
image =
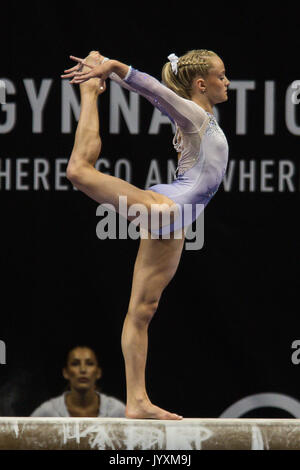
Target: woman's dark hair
{"type": "Point", "coordinates": [81, 346]}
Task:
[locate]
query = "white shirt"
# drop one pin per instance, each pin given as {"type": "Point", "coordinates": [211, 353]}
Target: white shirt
{"type": "Point", "coordinates": [56, 407]}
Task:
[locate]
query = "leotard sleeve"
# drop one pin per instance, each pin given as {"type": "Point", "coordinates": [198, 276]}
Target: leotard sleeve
{"type": "Point", "coordinates": [185, 113]}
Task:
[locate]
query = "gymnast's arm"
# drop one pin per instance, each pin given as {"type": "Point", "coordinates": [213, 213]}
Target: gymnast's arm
{"type": "Point", "coordinates": [185, 113]}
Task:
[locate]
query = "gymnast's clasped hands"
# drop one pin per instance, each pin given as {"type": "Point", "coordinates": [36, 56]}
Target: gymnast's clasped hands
{"type": "Point", "coordinates": [77, 75]}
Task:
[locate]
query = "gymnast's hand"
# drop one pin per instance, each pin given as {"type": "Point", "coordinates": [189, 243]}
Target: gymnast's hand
{"type": "Point", "coordinates": [101, 70]}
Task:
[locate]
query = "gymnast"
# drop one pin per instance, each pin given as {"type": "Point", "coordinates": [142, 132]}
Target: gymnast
{"type": "Point", "coordinates": [192, 85]}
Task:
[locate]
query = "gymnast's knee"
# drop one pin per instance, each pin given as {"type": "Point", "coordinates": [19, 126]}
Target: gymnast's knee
{"type": "Point", "coordinates": [143, 313]}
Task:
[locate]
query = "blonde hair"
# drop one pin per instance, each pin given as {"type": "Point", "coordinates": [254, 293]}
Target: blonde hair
{"type": "Point", "coordinates": [193, 64]}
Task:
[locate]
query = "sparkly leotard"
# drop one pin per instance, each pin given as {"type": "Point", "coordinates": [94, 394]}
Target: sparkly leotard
{"type": "Point", "coordinates": [202, 143]}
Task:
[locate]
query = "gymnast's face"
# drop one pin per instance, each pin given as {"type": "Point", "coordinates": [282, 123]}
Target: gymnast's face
{"type": "Point", "coordinates": [82, 370]}
{"type": "Point", "coordinates": [216, 83]}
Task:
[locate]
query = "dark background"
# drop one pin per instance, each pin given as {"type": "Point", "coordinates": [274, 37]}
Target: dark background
{"type": "Point", "coordinates": [225, 324]}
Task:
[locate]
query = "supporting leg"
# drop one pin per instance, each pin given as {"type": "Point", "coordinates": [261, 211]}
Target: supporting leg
{"type": "Point", "coordinates": [156, 264]}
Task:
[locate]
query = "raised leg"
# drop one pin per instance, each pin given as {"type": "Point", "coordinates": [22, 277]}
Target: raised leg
{"type": "Point", "coordinates": [156, 264]}
{"type": "Point", "coordinates": [87, 145]}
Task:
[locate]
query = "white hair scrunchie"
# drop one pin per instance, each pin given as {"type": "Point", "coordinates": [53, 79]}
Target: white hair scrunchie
{"type": "Point", "coordinates": [174, 61]}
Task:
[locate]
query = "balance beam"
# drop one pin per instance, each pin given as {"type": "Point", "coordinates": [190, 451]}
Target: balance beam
{"type": "Point", "coordinates": [141, 434]}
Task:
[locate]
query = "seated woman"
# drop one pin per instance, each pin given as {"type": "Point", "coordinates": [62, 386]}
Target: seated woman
{"type": "Point", "coordinates": [82, 371]}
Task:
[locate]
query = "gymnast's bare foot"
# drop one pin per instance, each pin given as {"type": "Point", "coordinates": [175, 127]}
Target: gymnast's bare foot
{"type": "Point", "coordinates": [93, 84]}
{"type": "Point", "coordinates": [145, 410]}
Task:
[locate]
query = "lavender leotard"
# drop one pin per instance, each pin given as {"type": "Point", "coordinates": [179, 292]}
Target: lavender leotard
{"type": "Point", "coordinates": [202, 143]}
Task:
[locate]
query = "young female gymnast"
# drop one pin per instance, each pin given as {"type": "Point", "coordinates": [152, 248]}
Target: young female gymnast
{"type": "Point", "coordinates": [193, 84]}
